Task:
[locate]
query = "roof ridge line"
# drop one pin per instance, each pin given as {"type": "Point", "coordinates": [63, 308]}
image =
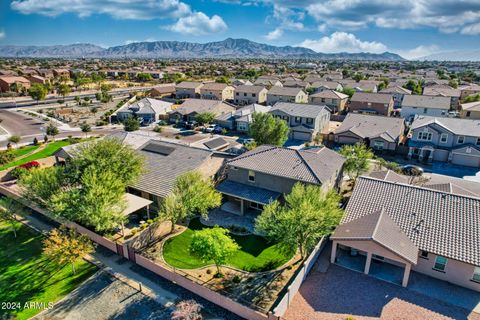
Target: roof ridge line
{"type": "Point", "coordinates": [378, 223]}
{"type": "Point", "coordinates": [308, 166]}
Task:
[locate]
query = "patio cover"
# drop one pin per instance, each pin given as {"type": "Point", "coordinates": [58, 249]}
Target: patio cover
{"type": "Point", "coordinates": [246, 192]}
{"type": "Point", "coordinates": [134, 203]}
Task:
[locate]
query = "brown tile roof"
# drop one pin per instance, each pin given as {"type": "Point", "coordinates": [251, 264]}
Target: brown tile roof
{"type": "Point", "coordinates": [381, 229]}
{"type": "Point", "coordinates": [285, 91]}
{"type": "Point", "coordinates": [372, 97]}
{"type": "Point", "coordinates": [315, 166]}
{"type": "Point", "coordinates": [435, 221]}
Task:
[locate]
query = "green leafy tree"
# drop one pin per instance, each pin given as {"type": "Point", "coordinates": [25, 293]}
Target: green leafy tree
{"type": "Point", "coordinates": [9, 209]}
{"type": "Point", "coordinates": [358, 158]}
{"type": "Point", "coordinates": [90, 190]}
{"type": "Point", "coordinates": [205, 118]}
{"type": "Point", "coordinates": [38, 92]}
{"type": "Point", "coordinates": [131, 124]}
{"type": "Point", "coordinates": [144, 77]}
{"type": "Point", "coordinates": [472, 98]}
{"type": "Point", "coordinates": [453, 83]}
{"type": "Point", "coordinates": [348, 91]}
{"type": "Point", "coordinates": [415, 87]}
{"type": "Point", "coordinates": [86, 128]}
{"type": "Point", "coordinates": [173, 209]}
{"type": "Point", "coordinates": [308, 214]}
{"type": "Point", "coordinates": [213, 244]}
{"type": "Point", "coordinates": [67, 246]}
{"type": "Point", "coordinates": [63, 89]}
{"type": "Point", "coordinates": [52, 130]}
{"type": "Point", "coordinates": [266, 129]}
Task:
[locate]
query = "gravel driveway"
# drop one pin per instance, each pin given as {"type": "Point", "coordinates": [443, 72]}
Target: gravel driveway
{"type": "Point", "coordinates": [340, 293]}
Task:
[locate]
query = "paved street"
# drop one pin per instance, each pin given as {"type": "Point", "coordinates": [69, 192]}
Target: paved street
{"type": "Point", "coordinates": [16, 123]}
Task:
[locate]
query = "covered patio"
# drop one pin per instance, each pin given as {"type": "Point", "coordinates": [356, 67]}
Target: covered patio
{"type": "Point", "coordinates": [375, 245]}
{"type": "Point", "coordinates": [134, 204]}
{"type": "Point", "coordinates": [245, 199]}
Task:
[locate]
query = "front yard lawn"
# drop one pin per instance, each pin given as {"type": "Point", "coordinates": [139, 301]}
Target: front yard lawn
{"type": "Point", "coordinates": [48, 151]}
{"type": "Point", "coordinates": [256, 253]}
{"type": "Point", "coordinates": [24, 150]}
{"type": "Point", "coordinates": [27, 276]}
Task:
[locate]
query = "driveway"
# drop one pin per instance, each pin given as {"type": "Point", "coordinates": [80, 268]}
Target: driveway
{"type": "Point", "coordinates": [337, 293]}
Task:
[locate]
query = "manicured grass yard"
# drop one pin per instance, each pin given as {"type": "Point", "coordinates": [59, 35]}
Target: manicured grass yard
{"type": "Point", "coordinates": [48, 151]}
{"type": "Point", "coordinates": [256, 254]}
{"type": "Point", "coordinates": [24, 150]}
{"type": "Point", "coordinates": [27, 276]}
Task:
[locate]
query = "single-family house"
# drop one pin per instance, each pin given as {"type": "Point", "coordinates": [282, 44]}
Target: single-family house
{"type": "Point", "coordinates": [398, 93]}
{"type": "Point", "coordinates": [148, 110]}
{"type": "Point", "coordinates": [378, 132]}
{"type": "Point", "coordinates": [245, 95]}
{"type": "Point", "coordinates": [443, 91]}
{"type": "Point", "coordinates": [61, 73]}
{"type": "Point", "coordinates": [13, 83]}
{"type": "Point", "coordinates": [37, 79]}
{"type": "Point", "coordinates": [372, 103]}
{"type": "Point", "coordinates": [304, 120]}
{"type": "Point", "coordinates": [470, 110]}
{"type": "Point", "coordinates": [267, 173]}
{"type": "Point", "coordinates": [189, 109]}
{"type": "Point", "coordinates": [240, 119]}
{"type": "Point", "coordinates": [424, 105]}
{"type": "Point", "coordinates": [268, 81]}
{"type": "Point", "coordinates": [188, 90]}
{"type": "Point", "coordinates": [430, 231]}
{"type": "Point", "coordinates": [468, 90]}
{"type": "Point", "coordinates": [335, 101]}
{"type": "Point", "coordinates": [284, 94]}
{"type": "Point", "coordinates": [217, 91]}
{"type": "Point", "coordinates": [295, 83]}
{"type": "Point", "coordinates": [319, 86]}
{"type": "Point", "coordinates": [451, 140]}
{"type": "Point", "coordinates": [241, 82]}
{"type": "Point", "coordinates": [163, 90]}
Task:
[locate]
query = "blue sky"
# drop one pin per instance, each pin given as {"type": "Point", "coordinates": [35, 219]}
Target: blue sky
{"type": "Point", "coordinates": [412, 28]}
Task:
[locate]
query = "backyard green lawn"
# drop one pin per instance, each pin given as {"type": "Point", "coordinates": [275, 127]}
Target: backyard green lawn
{"type": "Point", "coordinates": [256, 254]}
{"type": "Point", "coordinates": [27, 276]}
{"type": "Point", "coordinates": [48, 151]}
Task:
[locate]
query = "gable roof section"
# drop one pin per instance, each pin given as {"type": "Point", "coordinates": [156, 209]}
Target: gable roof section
{"type": "Point", "coordinates": [371, 126]}
{"type": "Point", "coordinates": [458, 126]}
{"type": "Point", "coordinates": [285, 91]}
{"type": "Point", "coordinates": [437, 222]}
{"type": "Point", "coordinates": [315, 166]}
{"type": "Point", "coordinates": [299, 109]}
{"type": "Point", "coordinates": [384, 98]}
{"type": "Point", "coordinates": [432, 102]}
{"type": "Point", "coordinates": [202, 105]}
{"type": "Point", "coordinates": [381, 229]}
{"type": "Point", "coordinates": [189, 85]}
{"type": "Point", "coordinates": [329, 94]}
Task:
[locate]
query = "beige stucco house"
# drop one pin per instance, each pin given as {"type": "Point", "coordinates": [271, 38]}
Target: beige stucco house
{"type": "Point", "coordinates": [217, 91]}
{"type": "Point", "coordinates": [419, 228]}
{"type": "Point", "coordinates": [285, 94]}
{"type": "Point", "coordinates": [335, 101]}
{"type": "Point", "coordinates": [470, 110]}
{"type": "Point", "coordinates": [245, 95]}
{"type": "Point", "coordinates": [188, 89]}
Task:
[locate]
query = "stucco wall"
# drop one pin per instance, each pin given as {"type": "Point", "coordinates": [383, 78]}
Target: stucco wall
{"type": "Point", "coordinates": [262, 180]}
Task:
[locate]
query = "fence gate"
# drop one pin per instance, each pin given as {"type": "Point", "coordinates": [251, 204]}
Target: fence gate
{"type": "Point", "coordinates": [119, 249]}
{"type": "Point", "coordinates": [131, 254]}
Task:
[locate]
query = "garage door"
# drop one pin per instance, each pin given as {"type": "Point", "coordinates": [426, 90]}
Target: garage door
{"type": "Point", "coordinates": [347, 140]}
{"type": "Point", "coordinates": [466, 160]}
{"type": "Point", "coordinates": [304, 136]}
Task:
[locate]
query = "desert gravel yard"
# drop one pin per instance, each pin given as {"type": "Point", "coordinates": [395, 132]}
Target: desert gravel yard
{"type": "Point", "coordinates": [340, 293]}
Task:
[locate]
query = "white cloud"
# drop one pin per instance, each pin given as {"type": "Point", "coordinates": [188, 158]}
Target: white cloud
{"type": "Point", "coordinates": [343, 42]}
{"type": "Point", "coordinates": [473, 29]}
{"type": "Point", "coordinates": [275, 34]}
{"type": "Point", "coordinates": [198, 23]}
{"type": "Point", "coordinates": [2, 34]}
{"type": "Point", "coordinates": [118, 9]}
{"type": "Point", "coordinates": [418, 52]}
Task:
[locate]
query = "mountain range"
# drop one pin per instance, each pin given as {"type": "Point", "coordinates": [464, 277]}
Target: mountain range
{"type": "Point", "coordinates": [228, 48]}
{"type": "Point", "coordinates": [464, 55]}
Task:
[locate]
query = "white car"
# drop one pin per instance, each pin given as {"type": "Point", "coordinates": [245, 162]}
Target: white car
{"type": "Point", "coordinates": [210, 128]}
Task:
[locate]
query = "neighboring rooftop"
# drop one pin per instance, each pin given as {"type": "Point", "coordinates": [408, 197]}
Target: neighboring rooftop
{"type": "Point", "coordinates": [464, 127]}
{"type": "Point", "coordinates": [285, 91]}
{"type": "Point", "coordinates": [249, 89]}
{"type": "Point", "coordinates": [189, 85]}
{"type": "Point", "coordinates": [371, 97]}
{"type": "Point", "coordinates": [329, 94]}
{"type": "Point", "coordinates": [372, 126]}
{"type": "Point", "coordinates": [316, 165]}
{"type": "Point", "coordinates": [426, 102]}
{"type": "Point", "coordinates": [299, 109]}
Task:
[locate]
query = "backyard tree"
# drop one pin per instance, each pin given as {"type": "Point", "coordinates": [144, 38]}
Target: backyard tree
{"type": "Point", "coordinates": [143, 77]}
{"type": "Point", "coordinates": [187, 310]}
{"type": "Point", "coordinates": [213, 244]}
{"type": "Point", "coordinates": [205, 118]}
{"type": "Point", "coordinates": [266, 129]}
{"type": "Point", "coordinates": [131, 124]}
{"type": "Point", "coordinates": [308, 214]}
{"type": "Point", "coordinates": [172, 209]}
{"type": "Point", "coordinates": [67, 246]}
{"type": "Point", "coordinates": [86, 128]}
{"type": "Point", "coordinates": [8, 212]}
{"type": "Point", "coordinates": [357, 157]}
{"type": "Point", "coordinates": [348, 91]}
{"type": "Point", "coordinates": [91, 189]}
{"type": "Point", "coordinates": [38, 92]}
{"type": "Point", "coordinates": [52, 130]}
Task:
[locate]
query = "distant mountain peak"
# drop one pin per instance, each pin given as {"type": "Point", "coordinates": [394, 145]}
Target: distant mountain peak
{"type": "Point", "coordinates": [228, 48]}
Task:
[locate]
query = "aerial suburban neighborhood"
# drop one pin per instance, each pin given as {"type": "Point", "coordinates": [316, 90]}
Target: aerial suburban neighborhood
{"type": "Point", "coordinates": [314, 172]}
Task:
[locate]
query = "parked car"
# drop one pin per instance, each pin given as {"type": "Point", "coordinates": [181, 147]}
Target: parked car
{"type": "Point", "coordinates": [412, 170]}
{"type": "Point", "coordinates": [210, 128]}
{"type": "Point", "coordinates": [191, 125]}
{"type": "Point", "coordinates": [246, 140]}
{"type": "Point", "coordinates": [218, 130]}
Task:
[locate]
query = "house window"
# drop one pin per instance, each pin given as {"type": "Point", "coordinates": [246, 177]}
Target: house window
{"type": "Point", "coordinates": [298, 119]}
{"type": "Point", "coordinates": [440, 263]}
{"type": "Point", "coordinates": [244, 94]}
{"type": "Point", "coordinates": [468, 114]}
{"type": "Point", "coordinates": [478, 142]}
{"type": "Point", "coordinates": [460, 139]}
{"type": "Point", "coordinates": [426, 136]}
{"type": "Point", "coordinates": [255, 205]}
{"type": "Point", "coordinates": [378, 145]}
{"type": "Point", "coordinates": [323, 99]}
{"type": "Point", "coordinates": [254, 94]}
{"type": "Point", "coordinates": [476, 274]}
{"type": "Point", "coordinates": [424, 254]}
{"type": "Point", "coordinates": [309, 120]}
{"type": "Point", "coordinates": [285, 118]}
{"type": "Point", "coordinates": [425, 110]}
{"type": "Point", "coordinates": [238, 93]}
{"type": "Point", "coordinates": [443, 138]}
{"type": "Point", "coordinates": [251, 176]}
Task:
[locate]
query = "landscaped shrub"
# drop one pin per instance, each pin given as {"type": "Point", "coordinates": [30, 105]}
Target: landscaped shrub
{"type": "Point", "coordinates": [6, 156]}
{"type": "Point", "coordinates": [157, 129]}
{"type": "Point", "coordinates": [21, 169]}
{"type": "Point", "coordinates": [209, 271]}
{"type": "Point", "coordinates": [236, 279]}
